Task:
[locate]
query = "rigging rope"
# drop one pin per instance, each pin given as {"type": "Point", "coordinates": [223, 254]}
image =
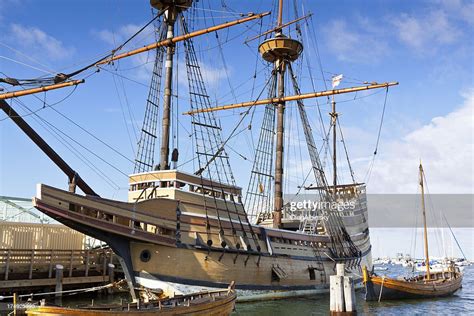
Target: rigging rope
{"type": "Point", "coordinates": [369, 171]}
{"type": "Point", "coordinates": [74, 151]}
{"type": "Point", "coordinates": [60, 77]}
{"type": "Point", "coordinates": [345, 150]}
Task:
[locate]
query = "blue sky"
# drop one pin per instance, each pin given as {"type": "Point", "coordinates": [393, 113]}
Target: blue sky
{"type": "Point", "coordinates": [425, 45]}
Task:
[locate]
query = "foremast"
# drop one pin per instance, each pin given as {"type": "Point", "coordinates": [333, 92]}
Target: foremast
{"type": "Point", "coordinates": [173, 8]}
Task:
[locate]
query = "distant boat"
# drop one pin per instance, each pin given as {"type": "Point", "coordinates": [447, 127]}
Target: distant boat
{"type": "Point", "coordinates": [380, 268]}
{"type": "Point", "coordinates": [203, 303]}
{"type": "Point", "coordinates": [430, 284]}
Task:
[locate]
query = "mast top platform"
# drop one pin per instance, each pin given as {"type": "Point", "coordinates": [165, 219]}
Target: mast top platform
{"type": "Point", "coordinates": [280, 47]}
{"type": "Point", "coordinates": [181, 5]}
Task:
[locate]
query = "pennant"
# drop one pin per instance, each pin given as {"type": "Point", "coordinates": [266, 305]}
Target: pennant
{"type": "Point", "coordinates": [336, 80]}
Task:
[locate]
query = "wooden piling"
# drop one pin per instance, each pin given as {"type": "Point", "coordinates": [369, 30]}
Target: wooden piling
{"type": "Point", "coordinates": [59, 284]}
{"type": "Point", "coordinates": [337, 293]}
{"type": "Point", "coordinates": [340, 269]}
{"type": "Point", "coordinates": [110, 268]}
{"type": "Point", "coordinates": [349, 294]}
{"type": "Point", "coordinates": [342, 293]}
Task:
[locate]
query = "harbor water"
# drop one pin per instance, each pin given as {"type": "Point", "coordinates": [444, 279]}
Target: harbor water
{"type": "Point", "coordinates": [460, 303]}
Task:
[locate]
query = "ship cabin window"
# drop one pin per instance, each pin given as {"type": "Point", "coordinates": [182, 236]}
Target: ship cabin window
{"type": "Point", "coordinates": [151, 228]}
{"type": "Point", "coordinates": [179, 185]}
{"type": "Point", "coordinates": [312, 275]}
{"type": "Point", "coordinates": [165, 231]}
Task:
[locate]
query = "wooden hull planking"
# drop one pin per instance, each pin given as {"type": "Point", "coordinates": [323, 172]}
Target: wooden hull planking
{"type": "Point", "coordinates": [287, 261]}
{"type": "Point", "coordinates": [384, 288]}
{"type": "Point", "coordinates": [214, 303]}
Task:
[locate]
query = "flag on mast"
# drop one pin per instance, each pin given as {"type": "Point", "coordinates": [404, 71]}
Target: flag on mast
{"type": "Point", "coordinates": [336, 80]}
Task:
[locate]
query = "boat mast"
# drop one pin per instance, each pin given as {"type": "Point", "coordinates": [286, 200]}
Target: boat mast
{"type": "Point", "coordinates": [173, 8]}
{"type": "Point", "coordinates": [424, 223]}
{"type": "Point", "coordinates": [333, 115]}
{"type": "Point", "coordinates": [280, 67]}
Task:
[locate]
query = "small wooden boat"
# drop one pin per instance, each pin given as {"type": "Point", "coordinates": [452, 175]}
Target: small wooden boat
{"type": "Point", "coordinates": [437, 285]}
{"type": "Point", "coordinates": [427, 285]}
{"type": "Point", "coordinates": [215, 303]}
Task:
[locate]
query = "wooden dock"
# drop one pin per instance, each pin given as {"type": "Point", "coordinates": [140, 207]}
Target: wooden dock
{"type": "Point", "coordinates": [30, 270]}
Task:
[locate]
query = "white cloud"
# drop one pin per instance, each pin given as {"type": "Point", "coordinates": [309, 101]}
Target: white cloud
{"type": "Point", "coordinates": [445, 146]}
{"type": "Point", "coordinates": [459, 9]}
{"type": "Point", "coordinates": [117, 37]}
{"type": "Point", "coordinates": [426, 32]}
{"type": "Point", "coordinates": [355, 46]}
{"type": "Point", "coordinates": [213, 76]}
{"type": "Point", "coordinates": [141, 65]}
{"type": "Point", "coordinates": [38, 41]}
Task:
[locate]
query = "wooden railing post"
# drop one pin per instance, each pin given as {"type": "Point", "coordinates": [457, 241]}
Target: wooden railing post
{"type": "Point", "coordinates": [87, 262]}
{"type": "Point", "coordinates": [70, 263]}
{"type": "Point", "coordinates": [7, 266]}
{"type": "Point", "coordinates": [32, 258]}
{"type": "Point", "coordinates": [104, 263]}
{"type": "Point", "coordinates": [50, 271]}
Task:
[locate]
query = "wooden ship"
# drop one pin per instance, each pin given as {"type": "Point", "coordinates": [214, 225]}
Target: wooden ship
{"type": "Point", "coordinates": [427, 285]}
{"type": "Point", "coordinates": [195, 228]}
{"type": "Point", "coordinates": [215, 303]}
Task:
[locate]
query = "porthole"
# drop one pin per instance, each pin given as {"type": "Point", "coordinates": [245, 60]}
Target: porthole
{"type": "Point", "coordinates": [145, 255]}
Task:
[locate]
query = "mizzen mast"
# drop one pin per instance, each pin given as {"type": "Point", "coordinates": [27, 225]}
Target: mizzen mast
{"type": "Point", "coordinates": [334, 115]}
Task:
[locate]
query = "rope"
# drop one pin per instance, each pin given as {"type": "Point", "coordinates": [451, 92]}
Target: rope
{"type": "Point", "coordinates": [345, 150]}
{"type": "Point", "coordinates": [369, 171]}
{"type": "Point", "coordinates": [63, 77]}
{"type": "Point", "coordinates": [455, 239]}
{"type": "Point", "coordinates": [381, 288]}
{"type": "Point", "coordinates": [90, 289]}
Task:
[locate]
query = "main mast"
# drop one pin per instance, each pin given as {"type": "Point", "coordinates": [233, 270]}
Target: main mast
{"type": "Point", "coordinates": [280, 68]}
{"type": "Point", "coordinates": [280, 50]}
{"type": "Point", "coordinates": [425, 235]}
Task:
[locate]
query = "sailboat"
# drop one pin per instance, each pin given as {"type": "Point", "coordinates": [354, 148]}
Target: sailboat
{"type": "Point", "coordinates": [195, 228]}
{"type": "Point", "coordinates": [427, 285]}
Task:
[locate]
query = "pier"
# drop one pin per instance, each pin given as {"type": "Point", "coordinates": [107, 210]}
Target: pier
{"type": "Point", "coordinates": [29, 270]}
{"type": "Point", "coordinates": [33, 246]}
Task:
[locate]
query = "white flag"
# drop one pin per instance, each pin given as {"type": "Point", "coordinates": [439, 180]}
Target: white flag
{"type": "Point", "coordinates": [336, 80]}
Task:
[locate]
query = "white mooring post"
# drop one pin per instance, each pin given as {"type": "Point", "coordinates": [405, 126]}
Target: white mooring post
{"type": "Point", "coordinates": [59, 284]}
{"type": "Point", "coordinates": [342, 293]}
{"type": "Point", "coordinates": [110, 268]}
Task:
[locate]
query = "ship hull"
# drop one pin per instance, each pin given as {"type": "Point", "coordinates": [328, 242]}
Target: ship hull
{"type": "Point", "coordinates": [384, 288]}
{"type": "Point", "coordinates": [150, 258]}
